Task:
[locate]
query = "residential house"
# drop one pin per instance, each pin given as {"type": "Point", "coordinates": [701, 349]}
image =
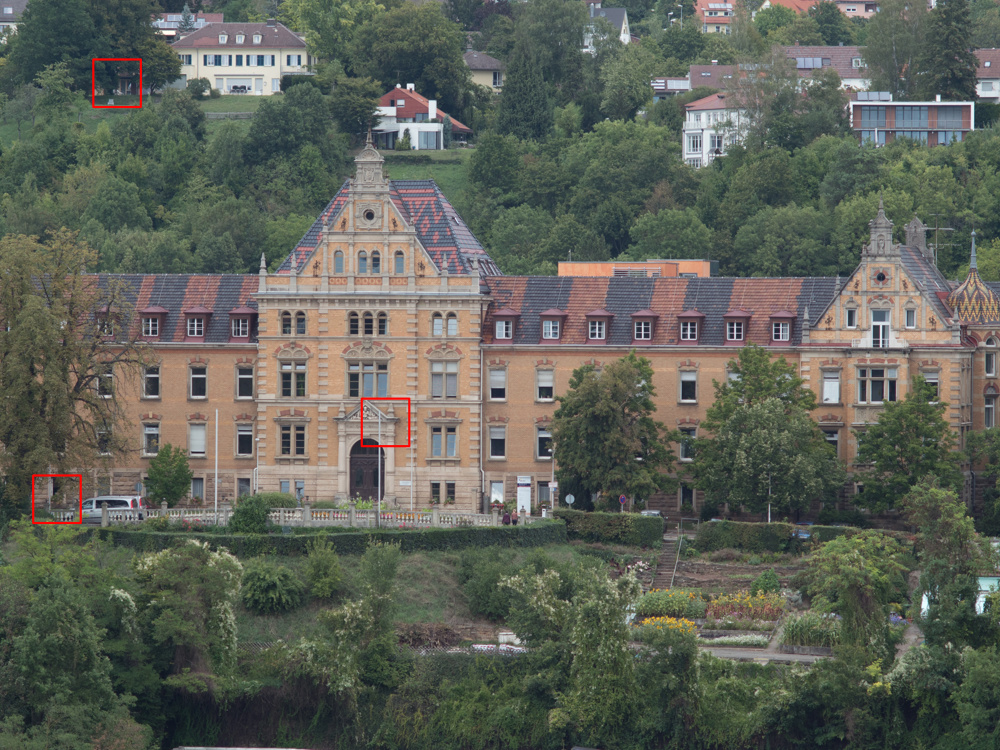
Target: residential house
{"type": "Point", "coordinates": [713, 76]}
{"type": "Point", "coordinates": [988, 75]}
{"type": "Point", "coordinates": [486, 71]}
{"type": "Point", "coordinates": [664, 88]}
{"type": "Point", "coordinates": [403, 110]}
{"type": "Point", "coordinates": [169, 23]}
{"type": "Point", "coordinates": [714, 17]}
{"type": "Point", "coordinates": [243, 58]}
{"type": "Point", "coordinates": [710, 126]}
{"type": "Point", "coordinates": [857, 8]}
{"type": "Point", "coordinates": [845, 59]}
{"type": "Point", "coordinates": [878, 119]}
{"type": "Point", "coordinates": [10, 14]}
{"type": "Point", "coordinates": [616, 17]}
{"type": "Point", "coordinates": [799, 6]}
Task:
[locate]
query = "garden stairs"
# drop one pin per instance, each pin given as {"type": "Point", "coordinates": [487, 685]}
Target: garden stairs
{"type": "Point", "coordinates": [665, 565]}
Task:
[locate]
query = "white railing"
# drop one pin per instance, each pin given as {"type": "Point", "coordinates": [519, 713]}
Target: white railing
{"type": "Point", "coordinates": [867, 343]}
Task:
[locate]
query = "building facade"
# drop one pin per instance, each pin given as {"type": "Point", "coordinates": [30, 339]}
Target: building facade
{"type": "Point", "coordinates": [710, 126]}
{"type": "Point", "coordinates": [403, 110]}
{"type": "Point", "coordinates": [879, 120]}
{"type": "Point", "coordinates": [388, 357]}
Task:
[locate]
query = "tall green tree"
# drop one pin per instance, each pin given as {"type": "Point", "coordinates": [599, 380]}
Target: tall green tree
{"type": "Point", "coordinates": [605, 437]}
{"type": "Point", "coordinates": [169, 477]}
{"type": "Point", "coordinates": [833, 24]}
{"type": "Point", "coordinates": [50, 32]}
{"type": "Point", "coordinates": [524, 111]}
{"type": "Point", "coordinates": [911, 442]}
{"type": "Point", "coordinates": [895, 43]}
{"type": "Point", "coordinates": [625, 77]}
{"type": "Point", "coordinates": [669, 233]}
{"type": "Point", "coordinates": [948, 64]}
{"type": "Point", "coordinates": [329, 25]}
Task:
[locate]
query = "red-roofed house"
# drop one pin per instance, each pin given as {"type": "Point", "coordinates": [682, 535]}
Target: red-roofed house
{"type": "Point", "coordinates": [709, 127]}
{"type": "Point", "coordinates": [715, 17]}
{"type": "Point", "coordinates": [799, 6]}
{"type": "Point", "coordinates": [988, 75]}
{"type": "Point", "coordinates": [402, 110]}
{"type": "Point", "coordinates": [846, 60]}
{"type": "Point", "coordinates": [169, 23]}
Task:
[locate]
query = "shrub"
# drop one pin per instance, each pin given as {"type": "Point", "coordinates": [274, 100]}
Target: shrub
{"type": "Point", "coordinates": [214, 93]}
{"type": "Point", "coordinates": [322, 568]}
{"type": "Point", "coordinates": [727, 554]}
{"type": "Point", "coordinates": [272, 499]}
{"type": "Point", "coordinates": [746, 641]}
{"type": "Point", "coordinates": [744, 606]}
{"type": "Point", "coordinates": [250, 516]}
{"type": "Point", "coordinates": [481, 571]}
{"type": "Point", "coordinates": [199, 87]}
{"type": "Point", "coordinates": [767, 583]}
{"type": "Point", "coordinates": [746, 537]}
{"type": "Point", "coordinates": [830, 515]}
{"type": "Point", "coordinates": [160, 523]}
{"type": "Point", "coordinates": [630, 529]}
{"type": "Point", "coordinates": [670, 603]}
{"type": "Point", "coordinates": [269, 588]}
{"type": "Point", "coordinates": [811, 629]}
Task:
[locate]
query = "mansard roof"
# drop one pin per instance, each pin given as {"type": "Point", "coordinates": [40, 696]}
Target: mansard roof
{"type": "Point", "coordinates": [175, 293]}
{"type": "Point", "coordinates": [442, 232]}
{"type": "Point", "coordinates": [667, 297]}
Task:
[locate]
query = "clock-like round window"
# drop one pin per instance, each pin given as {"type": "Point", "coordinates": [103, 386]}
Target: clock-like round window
{"type": "Point", "coordinates": [880, 277]}
{"type": "Point", "coordinates": [369, 215]}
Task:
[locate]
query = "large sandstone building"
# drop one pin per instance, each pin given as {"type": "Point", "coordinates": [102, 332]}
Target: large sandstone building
{"type": "Point", "coordinates": [390, 297]}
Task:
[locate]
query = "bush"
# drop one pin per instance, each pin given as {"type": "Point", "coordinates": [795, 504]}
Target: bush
{"type": "Point", "coordinates": [811, 629]}
{"type": "Point", "coordinates": [481, 571]}
{"type": "Point", "coordinates": [630, 529]}
{"type": "Point", "coordinates": [272, 499]}
{"type": "Point", "coordinates": [250, 516]}
{"type": "Point", "coordinates": [214, 93]}
{"type": "Point", "coordinates": [767, 583]}
{"type": "Point", "coordinates": [199, 87]}
{"type": "Point", "coordinates": [269, 588]}
{"type": "Point", "coordinates": [322, 568]}
{"type": "Point", "coordinates": [829, 516]}
{"type": "Point", "coordinates": [726, 554]}
{"type": "Point", "coordinates": [746, 537]}
{"type": "Point", "coordinates": [670, 603]}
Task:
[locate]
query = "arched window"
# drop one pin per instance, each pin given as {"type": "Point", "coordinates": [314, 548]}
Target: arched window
{"type": "Point", "coordinates": [400, 263]}
{"type": "Point", "coordinates": [362, 262]}
{"type": "Point", "coordinates": [352, 324]}
{"type": "Point", "coordinates": [452, 325]}
{"type": "Point", "coordinates": [286, 324]}
{"type": "Point", "coordinates": [991, 358]}
{"type": "Point", "coordinates": [437, 325]}
{"type": "Point", "coordinates": [376, 262]}
{"type": "Point", "coordinates": [369, 324]}
{"type": "Point", "coordinates": [338, 262]}
{"type": "Point", "coordinates": [383, 324]}
{"type": "Point", "coordinates": [300, 324]}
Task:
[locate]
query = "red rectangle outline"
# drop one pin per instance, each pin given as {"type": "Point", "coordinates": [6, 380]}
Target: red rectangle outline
{"type": "Point", "coordinates": [93, 82]}
{"type": "Point", "coordinates": [386, 398]}
{"type": "Point", "coordinates": [79, 519]}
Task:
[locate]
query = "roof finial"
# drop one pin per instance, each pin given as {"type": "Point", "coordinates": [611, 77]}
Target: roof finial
{"type": "Point", "coordinates": [368, 140]}
{"type": "Point", "coordinates": [972, 262]}
{"type": "Point", "coordinates": [263, 263]}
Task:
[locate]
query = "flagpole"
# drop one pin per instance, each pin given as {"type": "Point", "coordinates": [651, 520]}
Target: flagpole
{"type": "Point", "coordinates": [379, 477]}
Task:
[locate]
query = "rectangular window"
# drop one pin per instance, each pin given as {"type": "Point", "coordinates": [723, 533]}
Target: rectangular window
{"type": "Point", "coordinates": [779, 331]}
{"type": "Point", "coordinates": [239, 61]}
{"type": "Point", "coordinates": [498, 442]}
{"type": "Point", "coordinates": [300, 489]}
{"type": "Point", "coordinates": [990, 412]}
{"type": "Point", "coordinates": [911, 318]}
{"type": "Point", "coordinates": [689, 386]}
{"type": "Point", "coordinates": [367, 379]}
{"type": "Point", "coordinates": [504, 329]}
{"type": "Point", "coordinates": [911, 117]}
{"type": "Point", "coordinates": [435, 493]}
{"type": "Point", "coordinates": [444, 442]}
{"type": "Point", "coordinates": [851, 316]}
{"type": "Point", "coordinates": [694, 143]}
{"type": "Point", "coordinates": [105, 380]}
{"type": "Point", "coordinates": [199, 382]}
{"type": "Point", "coordinates": [244, 440]}
{"type": "Point", "coordinates": [643, 330]}
{"type": "Point", "coordinates": [150, 439]}
{"type": "Point", "coordinates": [931, 378]}
{"type": "Point", "coordinates": [833, 439]}
{"type": "Point", "coordinates": [196, 440]}
{"type": "Point", "coordinates": [543, 444]}
{"type": "Point", "coordinates": [300, 440]}
{"type": "Point", "coordinates": [151, 382]}
{"type": "Point", "coordinates": [151, 327]}
{"type": "Point", "coordinates": [544, 384]}
{"type": "Point", "coordinates": [550, 329]}
{"type": "Point", "coordinates": [496, 492]}
{"type": "Point", "coordinates": [285, 486]}
{"type": "Point", "coordinates": [293, 379]}
{"type": "Point", "coordinates": [734, 330]}
{"type": "Point", "coordinates": [876, 385]}
{"type": "Point", "coordinates": [195, 327]}
{"type": "Point", "coordinates": [831, 387]}
{"type": "Point", "coordinates": [686, 452]}
{"type": "Point", "coordinates": [873, 117]}
{"type": "Point", "coordinates": [444, 379]}
{"type": "Point", "coordinates": [275, 83]}
{"type": "Point", "coordinates": [498, 384]}
{"type": "Point", "coordinates": [544, 493]}
{"type": "Point", "coordinates": [880, 329]}
{"type": "Point", "coordinates": [198, 488]}
{"type": "Point", "coordinates": [497, 79]}
{"type": "Point", "coordinates": [185, 59]}
{"type": "Point", "coordinates": [293, 440]}
{"type": "Point", "coordinates": [689, 330]}
{"type": "Point", "coordinates": [241, 327]}
{"type": "Point", "coordinates": [244, 382]}
{"type": "Point", "coordinates": [991, 364]}
{"type": "Point", "coordinates": [596, 330]}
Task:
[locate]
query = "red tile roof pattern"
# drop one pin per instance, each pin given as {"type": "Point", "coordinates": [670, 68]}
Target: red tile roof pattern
{"type": "Point", "coordinates": [414, 104]}
{"type": "Point", "coordinates": [440, 230]}
{"type": "Point", "coordinates": [272, 37]}
{"type": "Point", "coordinates": [799, 6]}
{"type": "Point", "coordinates": [841, 59]}
{"type": "Point", "coordinates": [991, 56]}
{"type": "Point", "coordinates": [714, 76]}
{"type": "Point", "coordinates": [714, 101]}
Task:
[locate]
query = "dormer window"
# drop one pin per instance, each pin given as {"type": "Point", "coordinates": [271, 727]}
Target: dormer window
{"type": "Point", "coordinates": [642, 326]}
{"type": "Point", "coordinates": [734, 330]}
{"type": "Point", "coordinates": [240, 38]}
{"type": "Point", "coordinates": [597, 325]}
{"type": "Point", "coordinates": [504, 320]}
{"type": "Point", "coordinates": [256, 38]}
{"type": "Point", "coordinates": [223, 38]}
{"type": "Point", "coordinates": [195, 327]}
{"type": "Point", "coordinates": [781, 327]}
{"type": "Point", "coordinates": [690, 325]}
{"type": "Point", "coordinates": [152, 321]}
{"type": "Point", "coordinates": [737, 322]}
{"type": "Point", "coordinates": [196, 321]}
{"type": "Point", "coordinates": [240, 323]}
{"type": "Point", "coordinates": [552, 320]}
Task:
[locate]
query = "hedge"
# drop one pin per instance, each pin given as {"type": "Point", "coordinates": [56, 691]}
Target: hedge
{"type": "Point", "coordinates": [747, 537]}
{"type": "Point", "coordinates": [631, 529]}
{"type": "Point", "coordinates": [354, 542]}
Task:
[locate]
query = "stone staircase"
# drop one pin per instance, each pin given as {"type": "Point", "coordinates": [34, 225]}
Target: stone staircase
{"type": "Point", "coordinates": [665, 565]}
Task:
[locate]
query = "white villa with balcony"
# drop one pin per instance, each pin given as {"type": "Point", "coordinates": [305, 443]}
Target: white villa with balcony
{"type": "Point", "coordinates": [710, 126]}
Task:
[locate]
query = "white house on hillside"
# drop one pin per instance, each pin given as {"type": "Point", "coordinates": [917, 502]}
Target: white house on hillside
{"type": "Point", "coordinates": [709, 128]}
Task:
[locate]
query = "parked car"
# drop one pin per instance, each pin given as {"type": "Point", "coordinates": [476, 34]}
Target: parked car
{"type": "Point", "coordinates": [650, 513]}
{"type": "Point", "coordinates": [133, 505]}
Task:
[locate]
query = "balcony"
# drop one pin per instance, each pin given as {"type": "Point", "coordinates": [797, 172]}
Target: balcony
{"type": "Point", "coordinates": [867, 343]}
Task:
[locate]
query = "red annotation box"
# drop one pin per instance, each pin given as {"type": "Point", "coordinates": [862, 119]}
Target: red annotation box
{"type": "Point", "coordinates": [79, 482]}
{"type": "Point", "coordinates": [93, 82]}
{"type": "Point", "coordinates": [373, 429]}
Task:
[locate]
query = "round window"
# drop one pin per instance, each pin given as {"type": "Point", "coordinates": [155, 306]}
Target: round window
{"type": "Point", "coordinates": [880, 277]}
{"type": "Point", "coordinates": [369, 215]}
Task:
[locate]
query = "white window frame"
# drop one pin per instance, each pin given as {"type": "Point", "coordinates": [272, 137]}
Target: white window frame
{"type": "Point", "coordinates": [542, 433]}
{"type": "Point", "coordinates": [689, 330]}
{"type": "Point", "coordinates": [831, 386]}
{"type": "Point", "coordinates": [240, 328]}
{"type": "Point", "coordinates": [195, 327]}
{"type": "Point", "coordinates": [933, 378]}
{"type": "Point", "coordinates": [850, 317]}
{"type": "Point", "coordinates": [911, 318]}
{"type": "Point", "coordinates": [642, 330]}
{"type": "Point", "coordinates": [780, 330]}
{"type": "Point", "coordinates": [684, 449]}
{"type": "Point", "coordinates": [881, 329]}
{"type": "Point", "coordinates": [545, 379]}
{"type": "Point", "coordinates": [148, 375]}
{"type": "Point", "coordinates": [150, 430]}
{"type": "Point", "coordinates": [990, 412]}
{"type": "Point", "coordinates": [444, 379]}
{"type": "Point", "coordinates": [990, 358]}
{"type": "Point", "coordinates": [498, 434]}
{"type": "Point", "coordinates": [191, 379]}
{"type": "Point", "coordinates": [242, 430]}
{"type": "Point", "coordinates": [494, 383]}
{"type": "Point", "coordinates": [687, 376]}
{"type": "Point", "coordinates": [242, 377]}
{"type": "Point", "coordinates": [105, 380]}
{"type": "Point", "coordinates": [151, 327]}
{"type": "Point", "coordinates": [866, 377]}
{"type": "Point", "coordinates": [198, 487]}
{"type": "Point", "coordinates": [551, 329]}
{"type": "Point", "coordinates": [504, 329]}
{"type": "Point", "coordinates": [596, 330]}
{"type": "Point", "coordinates": [734, 330]}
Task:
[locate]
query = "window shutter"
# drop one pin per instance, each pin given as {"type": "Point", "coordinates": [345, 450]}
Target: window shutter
{"type": "Point", "coordinates": [545, 378]}
{"type": "Point", "coordinates": [498, 378]}
{"type": "Point", "coordinates": [196, 442]}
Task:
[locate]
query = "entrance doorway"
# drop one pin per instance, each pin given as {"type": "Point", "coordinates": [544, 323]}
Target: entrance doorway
{"type": "Point", "coordinates": [364, 470]}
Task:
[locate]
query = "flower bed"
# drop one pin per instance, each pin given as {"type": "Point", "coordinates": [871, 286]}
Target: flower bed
{"type": "Point", "coordinates": [811, 629]}
{"type": "Point", "coordinates": [732, 623]}
{"type": "Point", "coordinates": [746, 606]}
{"type": "Point", "coordinates": [671, 603]}
{"type": "Point", "coordinates": [744, 641]}
{"type": "Point", "coordinates": [679, 624]}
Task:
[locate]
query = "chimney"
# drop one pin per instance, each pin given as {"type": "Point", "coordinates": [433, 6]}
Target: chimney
{"type": "Point", "coordinates": [271, 22]}
{"type": "Point", "coordinates": [399, 85]}
{"type": "Point", "coordinates": [432, 109]}
{"type": "Point", "coordinates": [409, 87]}
{"type": "Point", "coordinates": [841, 44]}
{"type": "Point", "coordinates": [715, 62]}
{"type": "Point", "coordinates": [937, 97]}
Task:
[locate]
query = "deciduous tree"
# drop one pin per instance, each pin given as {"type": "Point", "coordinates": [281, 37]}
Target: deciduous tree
{"type": "Point", "coordinates": [169, 477]}
{"type": "Point", "coordinates": [894, 46]}
{"type": "Point", "coordinates": [948, 64]}
{"type": "Point", "coordinates": [524, 110]}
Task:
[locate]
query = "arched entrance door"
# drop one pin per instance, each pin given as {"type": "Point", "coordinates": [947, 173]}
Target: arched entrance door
{"type": "Point", "coordinates": [364, 470]}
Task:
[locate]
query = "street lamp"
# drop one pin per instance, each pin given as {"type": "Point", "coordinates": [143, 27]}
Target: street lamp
{"type": "Point", "coordinates": [256, 471]}
{"type": "Point", "coordinates": [670, 19]}
{"type": "Point", "coordinates": [682, 14]}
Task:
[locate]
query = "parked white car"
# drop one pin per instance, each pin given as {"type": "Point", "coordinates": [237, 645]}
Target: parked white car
{"type": "Point", "coordinates": [134, 507]}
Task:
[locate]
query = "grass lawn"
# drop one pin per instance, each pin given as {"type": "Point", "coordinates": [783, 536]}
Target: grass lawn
{"type": "Point", "coordinates": [452, 178]}
{"type": "Point", "coordinates": [232, 103]}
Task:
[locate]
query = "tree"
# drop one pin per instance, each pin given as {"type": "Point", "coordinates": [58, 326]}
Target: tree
{"type": "Point", "coordinates": [60, 405]}
{"type": "Point", "coordinates": [983, 450]}
{"type": "Point", "coordinates": [771, 19]}
{"type": "Point", "coordinates": [551, 31]}
{"type": "Point", "coordinates": [330, 25]}
{"type": "Point", "coordinates": [977, 698]}
{"type": "Point", "coordinates": [55, 97]}
{"type": "Point", "coordinates": [833, 24]}
{"type": "Point", "coordinates": [54, 31]}
{"type": "Point", "coordinates": [948, 64]}
{"type": "Point", "coordinates": [894, 45]}
{"type": "Point", "coordinates": [625, 77]}
{"type": "Point", "coordinates": [187, 21]}
{"type": "Point", "coordinates": [604, 434]}
{"type": "Point", "coordinates": [524, 110]}
{"type": "Point", "coordinates": [762, 106]}
{"type": "Point", "coordinates": [669, 233]}
{"type": "Point", "coordinates": [910, 442]}
{"type": "Point", "coordinates": [765, 455]}
{"type": "Point", "coordinates": [784, 241]}
{"type": "Point", "coordinates": [160, 64]}
{"type": "Point", "coordinates": [495, 162]}
{"type": "Point", "coordinates": [354, 104]}
{"type": "Point", "coordinates": [414, 44]}
{"type": "Point", "coordinates": [169, 477]}
{"type": "Point", "coordinates": [861, 575]}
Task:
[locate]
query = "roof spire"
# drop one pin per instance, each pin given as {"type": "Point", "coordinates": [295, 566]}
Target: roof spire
{"type": "Point", "coordinates": [972, 261]}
